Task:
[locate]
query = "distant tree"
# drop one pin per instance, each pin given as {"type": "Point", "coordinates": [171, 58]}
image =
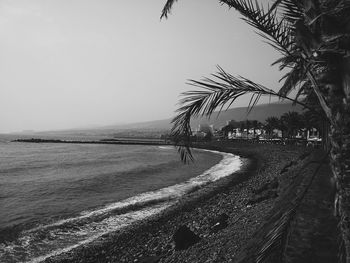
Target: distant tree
{"type": "Point", "coordinates": [248, 126]}
{"type": "Point", "coordinates": [317, 118]}
{"type": "Point", "coordinates": [208, 136]}
{"type": "Point", "coordinates": [226, 129]}
{"type": "Point", "coordinates": [242, 125]}
{"type": "Point", "coordinates": [230, 127]}
{"type": "Point", "coordinates": [291, 123]}
{"type": "Point", "coordinates": [256, 125]}
{"type": "Point", "coordinates": [271, 123]}
{"type": "Point", "coordinates": [311, 120]}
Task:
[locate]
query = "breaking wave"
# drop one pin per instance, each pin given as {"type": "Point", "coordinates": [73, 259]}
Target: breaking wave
{"type": "Point", "coordinates": [41, 242]}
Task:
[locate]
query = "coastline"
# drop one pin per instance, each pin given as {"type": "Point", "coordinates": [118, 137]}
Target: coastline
{"type": "Point", "coordinates": [153, 236]}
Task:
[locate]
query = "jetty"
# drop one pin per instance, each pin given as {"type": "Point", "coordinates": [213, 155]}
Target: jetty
{"type": "Point", "coordinates": [103, 141]}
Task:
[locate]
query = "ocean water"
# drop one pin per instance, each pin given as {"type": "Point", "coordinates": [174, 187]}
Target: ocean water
{"type": "Point", "coordinates": [54, 197]}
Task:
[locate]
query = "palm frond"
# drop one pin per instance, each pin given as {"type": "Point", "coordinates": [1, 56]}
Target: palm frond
{"type": "Point", "coordinates": [292, 79]}
{"type": "Point", "coordinates": [167, 7]}
{"type": "Point", "coordinates": [274, 5]}
{"type": "Point", "coordinates": [277, 238]}
{"type": "Point", "coordinates": [289, 60]}
{"type": "Point", "coordinates": [276, 31]}
{"type": "Point", "coordinates": [292, 10]}
{"type": "Point", "coordinates": [217, 92]}
{"type": "Point", "coordinates": [284, 61]}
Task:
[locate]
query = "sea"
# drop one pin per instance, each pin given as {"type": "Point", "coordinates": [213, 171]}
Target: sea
{"type": "Point", "coordinates": [56, 197]}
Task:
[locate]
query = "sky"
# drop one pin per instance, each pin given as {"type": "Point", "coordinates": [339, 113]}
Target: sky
{"type": "Point", "coordinates": [85, 63]}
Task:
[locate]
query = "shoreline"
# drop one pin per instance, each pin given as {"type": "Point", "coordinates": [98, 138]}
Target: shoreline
{"type": "Point", "coordinates": [153, 236]}
{"type": "Point", "coordinates": [191, 185]}
{"type": "Point", "coordinates": [186, 201]}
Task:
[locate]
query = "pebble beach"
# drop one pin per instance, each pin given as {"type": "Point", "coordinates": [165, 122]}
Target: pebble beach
{"type": "Point", "coordinates": [235, 196]}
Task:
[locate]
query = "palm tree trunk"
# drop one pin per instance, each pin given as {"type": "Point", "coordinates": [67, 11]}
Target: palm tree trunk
{"type": "Point", "coordinates": [340, 163]}
{"type": "Point", "coordinates": [340, 154]}
{"type": "Point", "coordinates": [325, 136]}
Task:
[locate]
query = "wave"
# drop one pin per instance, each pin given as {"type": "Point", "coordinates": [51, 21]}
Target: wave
{"type": "Point", "coordinates": [39, 243]}
{"type": "Point", "coordinates": [123, 207]}
{"type": "Point", "coordinates": [166, 147]}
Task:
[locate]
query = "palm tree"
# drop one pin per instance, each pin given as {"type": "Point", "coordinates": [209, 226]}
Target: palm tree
{"type": "Point", "coordinates": [271, 123]}
{"type": "Point", "coordinates": [226, 129]}
{"type": "Point", "coordinates": [317, 119]}
{"type": "Point", "coordinates": [256, 124]}
{"type": "Point", "coordinates": [230, 127]}
{"type": "Point", "coordinates": [291, 123]}
{"type": "Point", "coordinates": [242, 126]}
{"type": "Point", "coordinates": [313, 37]}
{"type": "Point", "coordinates": [248, 125]}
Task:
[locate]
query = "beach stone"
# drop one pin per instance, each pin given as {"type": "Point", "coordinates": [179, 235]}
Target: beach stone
{"type": "Point", "coordinates": [220, 223]}
{"type": "Point", "coordinates": [184, 238]}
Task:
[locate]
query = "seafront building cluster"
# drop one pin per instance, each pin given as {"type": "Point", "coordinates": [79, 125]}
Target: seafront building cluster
{"type": "Point", "coordinates": [274, 130]}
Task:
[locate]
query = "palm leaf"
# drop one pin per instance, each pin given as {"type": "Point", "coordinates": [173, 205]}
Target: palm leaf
{"type": "Point", "coordinates": [275, 5]}
{"type": "Point", "coordinates": [292, 10]}
{"type": "Point", "coordinates": [277, 238]}
{"type": "Point", "coordinates": [217, 92]}
{"type": "Point", "coordinates": [167, 7]}
{"type": "Point", "coordinates": [276, 31]}
{"type": "Point", "coordinates": [292, 79]}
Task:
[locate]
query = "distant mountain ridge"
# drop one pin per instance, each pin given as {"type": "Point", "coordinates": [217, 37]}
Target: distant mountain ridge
{"type": "Point", "coordinates": [259, 112]}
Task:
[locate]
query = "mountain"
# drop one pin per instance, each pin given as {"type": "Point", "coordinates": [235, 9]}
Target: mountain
{"type": "Point", "coordinates": [259, 112]}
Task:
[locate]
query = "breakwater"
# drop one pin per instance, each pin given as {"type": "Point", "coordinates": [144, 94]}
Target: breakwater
{"type": "Point", "coordinates": [103, 141]}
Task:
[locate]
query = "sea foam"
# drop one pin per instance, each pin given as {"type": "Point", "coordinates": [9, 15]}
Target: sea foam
{"type": "Point", "coordinates": [39, 243]}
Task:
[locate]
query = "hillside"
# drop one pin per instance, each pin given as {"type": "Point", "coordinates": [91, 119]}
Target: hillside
{"type": "Point", "coordinates": [259, 112]}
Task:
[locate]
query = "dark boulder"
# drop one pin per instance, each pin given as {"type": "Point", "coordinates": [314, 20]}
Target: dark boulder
{"type": "Point", "coordinates": [184, 238]}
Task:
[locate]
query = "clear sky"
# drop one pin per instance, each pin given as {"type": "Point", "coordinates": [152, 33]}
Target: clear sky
{"type": "Point", "coordinates": [80, 63]}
